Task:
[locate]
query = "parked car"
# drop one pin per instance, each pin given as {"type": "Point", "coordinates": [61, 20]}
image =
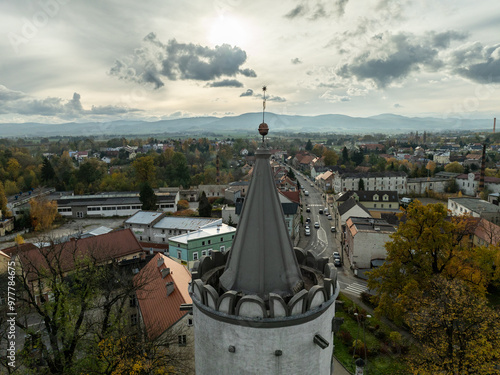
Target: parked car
{"type": "Point", "coordinates": [316, 225]}
{"type": "Point", "coordinates": [321, 211]}
{"type": "Point", "coordinates": [308, 209]}
{"type": "Point", "coordinates": [308, 220]}
{"type": "Point", "coordinates": [336, 255]}
{"type": "Point", "coordinates": [329, 217]}
{"type": "Point", "coordinates": [307, 231]}
{"type": "Point", "coordinates": [337, 262]}
{"type": "Point", "coordinates": [333, 229]}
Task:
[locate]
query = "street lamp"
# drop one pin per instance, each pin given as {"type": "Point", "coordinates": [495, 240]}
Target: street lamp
{"type": "Point", "coordinates": [363, 319]}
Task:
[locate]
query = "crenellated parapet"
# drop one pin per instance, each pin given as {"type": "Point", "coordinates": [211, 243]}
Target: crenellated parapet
{"type": "Point", "coordinates": [318, 290]}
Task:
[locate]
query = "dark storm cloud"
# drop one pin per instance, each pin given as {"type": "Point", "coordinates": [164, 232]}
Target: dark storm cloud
{"type": "Point", "coordinates": [156, 61]}
{"type": "Point", "coordinates": [226, 83]}
{"type": "Point", "coordinates": [249, 92]}
{"type": "Point", "coordinates": [21, 104]}
{"type": "Point", "coordinates": [296, 61]}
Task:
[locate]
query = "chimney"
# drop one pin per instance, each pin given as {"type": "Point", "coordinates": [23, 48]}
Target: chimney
{"type": "Point", "coordinates": [165, 272]}
{"type": "Point", "coordinates": [483, 167]}
{"type": "Point", "coordinates": [160, 261]}
{"type": "Point", "coordinates": [218, 169]}
{"type": "Point", "coordinates": [494, 124]}
{"type": "Point", "coordinates": [170, 287]}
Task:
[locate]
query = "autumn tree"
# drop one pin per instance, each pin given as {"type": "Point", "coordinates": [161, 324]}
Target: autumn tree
{"type": "Point", "coordinates": [331, 157]}
{"type": "Point", "coordinates": [42, 213]}
{"type": "Point", "coordinates": [204, 207]}
{"type": "Point", "coordinates": [182, 205]}
{"type": "Point", "coordinates": [426, 244]}
{"type": "Point", "coordinates": [456, 330]}
{"type": "Point", "coordinates": [3, 202]}
{"type": "Point", "coordinates": [454, 167]}
{"type": "Point", "coordinates": [148, 198]}
{"type": "Point", "coordinates": [145, 170]}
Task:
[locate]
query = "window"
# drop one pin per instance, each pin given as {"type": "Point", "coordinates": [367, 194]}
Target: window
{"type": "Point", "coordinates": [209, 242]}
{"type": "Point", "coordinates": [190, 322]}
{"type": "Point", "coordinates": [382, 205]}
{"type": "Point", "coordinates": [195, 256]}
{"type": "Point", "coordinates": [202, 243]}
{"type": "Point", "coordinates": [222, 239]}
{"type": "Point", "coordinates": [182, 340]}
{"type": "Point", "coordinates": [375, 205]}
{"type": "Point", "coordinates": [203, 253]}
{"type": "Point", "coordinates": [133, 319]}
{"type": "Point", "coordinates": [132, 301]}
{"type": "Point", "coordinates": [209, 251]}
{"type": "Point", "coordinates": [222, 249]}
{"type": "Point", "coordinates": [179, 255]}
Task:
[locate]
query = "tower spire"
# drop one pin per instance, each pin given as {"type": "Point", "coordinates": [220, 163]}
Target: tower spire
{"type": "Point", "coordinates": [262, 259]}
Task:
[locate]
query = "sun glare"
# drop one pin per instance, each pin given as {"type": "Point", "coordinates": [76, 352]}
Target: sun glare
{"type": "Point", "coordinates": [229, 31]}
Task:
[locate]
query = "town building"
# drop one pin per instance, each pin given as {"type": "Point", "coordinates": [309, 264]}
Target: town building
{"type": "Point", "coordinates": [420, 185]}
{"type": "Point", "coordinates": [156, 227]}
{"type": "Point", "coordinates": [395, 181]}
{"type": "Point", "coordinates": [474, 207]}
{"type": "Point", "coordinates": [6, 224]}
{"type": "Point", "coordinates": [469, 183]}
{"type": "Point", "coordinates": [190, 247]}
{"type": "Point", "coordinates": [268, 308]}
{"type": "Point", "coordinates": [19, 203]}
{"type": "Point", "coordinates": [365, 241]}
{"type": "Point", "coordinates": [111, 204]}
{"type": "Point", "coordinates": [162, 288]}
{"type": "Point", "coordinates": [376, 202]}
{"type": "Point", "coordinates": [349, 208]}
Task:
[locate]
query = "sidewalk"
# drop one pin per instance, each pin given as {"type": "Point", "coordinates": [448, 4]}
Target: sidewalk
{"type": "Point", "coordinates": [338, 369]}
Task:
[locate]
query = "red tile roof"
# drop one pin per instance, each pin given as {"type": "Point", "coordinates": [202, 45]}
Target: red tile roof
{"type": "Point", "coordinates": [159, 311]}
{"type": "Point", "coordinates": [104, 248]}
{"type": "Point", "coordinates": [294, 196]}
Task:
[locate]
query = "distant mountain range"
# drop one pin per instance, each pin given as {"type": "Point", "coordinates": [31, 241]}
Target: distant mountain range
{"type": "Point", "coordinates": [248, 123]}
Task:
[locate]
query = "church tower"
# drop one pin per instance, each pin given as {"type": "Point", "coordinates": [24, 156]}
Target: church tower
{"type": "Point", "coordinates": [264, 307]}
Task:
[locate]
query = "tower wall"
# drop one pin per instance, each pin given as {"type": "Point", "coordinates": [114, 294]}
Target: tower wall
{"type": "Point", "coordinates": [255, 348]}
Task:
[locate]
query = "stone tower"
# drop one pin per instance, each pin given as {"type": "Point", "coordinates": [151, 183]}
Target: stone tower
{"type": "Point", "coordinates": [264, 307]}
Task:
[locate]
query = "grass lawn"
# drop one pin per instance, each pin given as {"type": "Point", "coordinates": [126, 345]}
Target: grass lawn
{"type": "Point", "coordinates": [381, 360]}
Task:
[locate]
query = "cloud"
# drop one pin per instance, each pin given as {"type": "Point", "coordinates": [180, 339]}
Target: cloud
{"type": "Point", "coordinates": [392, 58]}
{"type": "Point", "coordinates": [340, 7]}
{"type": "Point", "coordinates": [299, 10]}
{"type": "Point", "coordinates": [155, 61]}
{"type": "Point", "coordinates": [296, 61]}
{"type": "Point", "coordinates": [226, 83]}
{"type": "Point", "coordinates": [397, 105]}
{"type": "Point", "coordinates": [16, 102]}
{"type": "Point", "coordinates": [331, 96]}
{"type": "Point", "coordinates": [478, 63]}
{"type": "Point", "coordinates": [270, 98]}
{"type": "Point", "coordinates": [249, 92]}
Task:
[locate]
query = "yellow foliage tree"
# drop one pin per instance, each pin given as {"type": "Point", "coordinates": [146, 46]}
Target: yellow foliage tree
{"type": "Point", "coordinates": [19, 239]}
{"type": "Point", "coordinates": [3, 201]}
{"type": "Point", "coordinates": [458, 333]}
{"type": "Point", "coordinates": [42, 213]}
{"type": "Point", "coordinates": [427, 244]}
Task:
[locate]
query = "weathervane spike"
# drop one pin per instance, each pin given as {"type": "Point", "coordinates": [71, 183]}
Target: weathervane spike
{"type": "Point", "coordinates": [263, 128]}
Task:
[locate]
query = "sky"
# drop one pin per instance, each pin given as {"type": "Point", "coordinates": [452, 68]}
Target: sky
{"type": "Point", "coordinates": [81, 60]}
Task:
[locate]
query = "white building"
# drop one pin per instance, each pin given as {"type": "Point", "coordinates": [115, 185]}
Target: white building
{"type": "Point", "coordinates": [420, 185]}
{"type": "Point", "coordinates": [474, 207]}
{"type": "Point", "coordinates": [395, 181]}
{"type": "Point", "coordinates": [469, 183]}
{"type": "Point", "coordinates": [365, 240]}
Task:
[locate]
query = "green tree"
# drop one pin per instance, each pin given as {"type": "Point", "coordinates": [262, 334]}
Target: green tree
{"type": "Point", "coordinates": [3, 202]}
{"type": "Point", "coordinates": [47, 173]}
{"type": "Point", "coordinates": [456, 330]}
{"type": "Point", "coordinates": [290, 174]}
{"type": "Point", "coordinates": [345, 155]}
{"type": "Point", "coordinates": [361, 185]}
{"type": "Point", "coordinates": [204, 207]}
{"type": "Point", "coordinates": [148, 198]}
{"type": "Point", "coordinates": [309, 145]}
{"type": "Point", "coordinates": [357, 157]}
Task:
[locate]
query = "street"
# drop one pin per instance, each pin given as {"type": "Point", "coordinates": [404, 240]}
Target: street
{"type": "Point", "coordinates": [322, 241]}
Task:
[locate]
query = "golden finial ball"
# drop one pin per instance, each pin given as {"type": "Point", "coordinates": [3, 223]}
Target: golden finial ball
{"type": "Point", "coordinates": [263, 129]}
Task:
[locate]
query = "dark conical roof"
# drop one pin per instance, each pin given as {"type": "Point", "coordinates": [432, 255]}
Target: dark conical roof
{"type": "Point", "coordinates": [262, 259]}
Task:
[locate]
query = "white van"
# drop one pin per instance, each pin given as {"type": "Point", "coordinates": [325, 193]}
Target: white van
{"type": "Point", "coordinates": [306, 193]}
